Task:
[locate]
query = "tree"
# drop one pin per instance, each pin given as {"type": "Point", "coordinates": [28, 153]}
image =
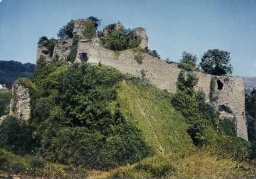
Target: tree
{"type": "Point", "coordinates": [188, 61]}
{"type": "Point", "coordinates": [216, 62]}
{"type": "Point", "coordinates": [66, 31]}
{"type": "Point", "coordinates": [95, 20]}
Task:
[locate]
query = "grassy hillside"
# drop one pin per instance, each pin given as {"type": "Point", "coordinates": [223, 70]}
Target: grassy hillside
{"type": "Point", "coordinates": [92, 121]}
{"type": "Point", "coordinates": [151, 110]}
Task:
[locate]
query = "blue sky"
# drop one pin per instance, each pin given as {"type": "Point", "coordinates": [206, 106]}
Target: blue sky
{"type": "Point", "coordinates": [173, 26]}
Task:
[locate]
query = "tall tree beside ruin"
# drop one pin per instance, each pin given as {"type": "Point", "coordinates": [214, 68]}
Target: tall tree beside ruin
{"type": "Point", "coordinates": [216, 62]}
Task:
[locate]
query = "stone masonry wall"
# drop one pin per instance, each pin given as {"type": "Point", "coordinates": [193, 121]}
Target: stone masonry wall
{"type": "Point", "coordinates": [158, 72]}
{"type": "Point", "coordinates": [232, 95]}
{"type": "Point", "coordinates": [20, 103]}
{"type": "Point", "coordinates": [165, 76]}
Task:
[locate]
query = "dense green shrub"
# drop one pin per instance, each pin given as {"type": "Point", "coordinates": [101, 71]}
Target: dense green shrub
{"type": "Point", "coordinates": [10, 163]}
{"type": "Point", "coordinates": [227, 126]}
{"type": "Point", "coordinates": [74, 124]}
{"type": "Point", "coordinates": [187, 82]}
{"type": "Point", "coordinates": [5, 98]}
{"type": "Point", "coordinates": [95, 20]}
{"type": "Point", "coordinates": [66, 31]}
{"type": "Point", "coordinates": [205, 126]}
{"type": "Point", "coordinates": [121, 39]}
{"type": "Point", "coordinates": [188, 62]}
{"type": "Point", "coordinates": [73, 52]}
{"type": "Point", "coordinates": [90, 30]}
{"type": "Point", "coordinates": [27, 83]}
{"type": "Point", "coordinates": [16, 136]}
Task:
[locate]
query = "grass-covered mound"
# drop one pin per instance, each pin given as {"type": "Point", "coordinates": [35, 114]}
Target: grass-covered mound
{"type": "Point", "coordinates": [88, 117]}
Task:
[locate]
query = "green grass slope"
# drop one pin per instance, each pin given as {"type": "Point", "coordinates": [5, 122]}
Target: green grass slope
{"type": "Point", "coordinates": [90, 121]}
{"type": "Point", "coordinates": [150, 109]}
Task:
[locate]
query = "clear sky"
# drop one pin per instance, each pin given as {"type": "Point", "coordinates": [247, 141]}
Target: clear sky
{"type": "Point", "coordinates": [173, 26]}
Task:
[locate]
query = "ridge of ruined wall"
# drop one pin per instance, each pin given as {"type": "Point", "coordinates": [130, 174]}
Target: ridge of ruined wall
{"type": "Point", "coordinates": [159, 73]}
{"type": "Point", "coordinates": [165, 76]}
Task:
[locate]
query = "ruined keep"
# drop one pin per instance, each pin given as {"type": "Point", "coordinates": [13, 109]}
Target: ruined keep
{"type": "Point", "coordinates": [228, 91]}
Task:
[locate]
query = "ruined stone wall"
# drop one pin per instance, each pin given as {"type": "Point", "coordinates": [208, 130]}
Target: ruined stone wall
{"type": "Point", "coordinates": [156, 71]}
{"type": "Point", "coordinates": [43, 52]}
{"type": "Point", "coordinates": [20, 103]}
{"type": "Point", "coordinates": [232, 95]}
{"type": "Point", "coordinates": [165, 76]}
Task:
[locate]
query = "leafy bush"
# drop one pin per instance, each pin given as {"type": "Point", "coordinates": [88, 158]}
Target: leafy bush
{"type": "Point", "coordinates": [227, 126]}
{"type": "Point", "coordinates": [16, 136]}
{"type": "Point", "coordinates": [95, 20]}
{"type": "Point", "coordinates": [90, 30]}
{"type": "Point", "coordinates": [11, 163]}
{"type": "Point", "coordinates": [73, 52]}
{"type": "Point", "coordinates": [74, 124]}
{"type": "Point", "coordinates": [5, 98]}
{"type": "Point", "coordinates": [66, 31]}
{"type": "Point", "coordinates": [186, 82]}
{"type": "Point", "coordinates": [121, 39]}
{"type": "Point", "coordinates": [188, 62]}
{"type": "Point", "coordinates": [27, 83]}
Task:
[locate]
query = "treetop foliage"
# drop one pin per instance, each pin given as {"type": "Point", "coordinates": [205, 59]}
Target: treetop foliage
{"type": "Point", "coordinates": [95, 20]}
{"type": "Point", "coordinates": [216, 62]}
{"type": "Point", "coordinates": [188, 61]}
{"type": "Point", "coordinates": [66, 31]}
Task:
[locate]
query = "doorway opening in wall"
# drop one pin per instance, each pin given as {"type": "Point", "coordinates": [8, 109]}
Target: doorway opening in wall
{"type": "Point", "coordinates": [220, 85]}
{"type": "Point", "coordinates": [83, 57]}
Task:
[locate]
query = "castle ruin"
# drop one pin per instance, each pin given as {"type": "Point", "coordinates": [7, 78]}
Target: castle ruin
{"type": "Point", "coordinates": [228, 91]}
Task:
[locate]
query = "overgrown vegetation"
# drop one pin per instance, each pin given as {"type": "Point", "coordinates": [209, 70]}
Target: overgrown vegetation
{"type": "Point", "coordinates": [90, 120]}
{"type": "Point", "coordinates": [5, 98]}
{"type": "Point", "coordinates": [73, 52]}
{"type": "Point", "coordinates": [204, 121]}
{"type": "Point", "coordinates": [89, 116]}
{"type": "Point", "coordinates": [188, 62]}
{"type": "Point", "coordinates": [66, 31]}
{"type": "Point", "coordinates": [250, 107]}
{"type": "Point", "coordinates": [90, 30]}
{"type": "Point", "coordinates": [72, 122]}
{"type": "Point", "coordinates": [118, 39]}
{"type": "Point", "coordinates": [216, 62]}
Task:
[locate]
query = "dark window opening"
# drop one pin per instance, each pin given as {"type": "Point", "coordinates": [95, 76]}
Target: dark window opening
{"type": "Point", "coordinates": [83, 57]}
{"type": "Point", "coordinates": [46, 52]}
{"type": "Point", "coordinates": [225, 108]}
{"type": "Point", "coordinates": [220, 85]}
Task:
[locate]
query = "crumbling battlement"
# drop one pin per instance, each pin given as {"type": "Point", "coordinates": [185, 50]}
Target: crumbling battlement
{"type": "Point", "coordinates": [229, 91]}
